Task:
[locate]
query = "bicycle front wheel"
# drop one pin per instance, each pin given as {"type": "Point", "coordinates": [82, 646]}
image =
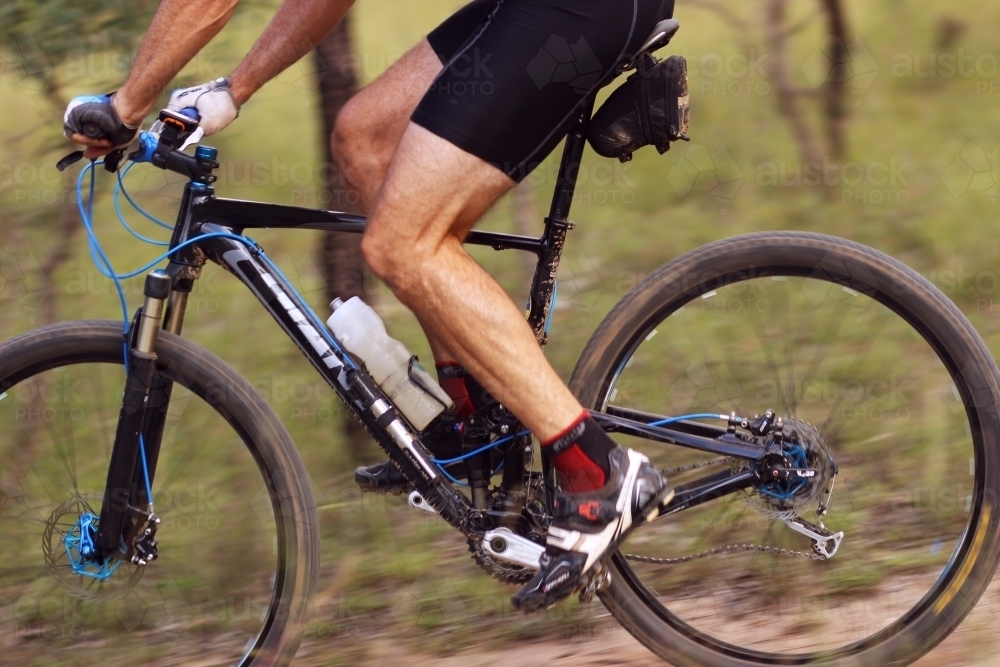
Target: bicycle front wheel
{"type": "Point", "coordinates": [238, 550]}
{"type": "Point", "coordinates": [898, 397]}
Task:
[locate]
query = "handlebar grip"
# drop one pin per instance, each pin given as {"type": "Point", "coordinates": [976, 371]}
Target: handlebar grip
{"type": "Point", "coordinates": [191, 113]}
{"type": "Point", "coordinates": [93, 117]}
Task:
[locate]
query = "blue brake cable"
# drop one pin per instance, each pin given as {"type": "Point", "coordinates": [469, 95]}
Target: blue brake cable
{"type": "Point", "coordinates": [441, 463]}
{"type": "Point", "coordinates": [103, 264]}
{"type": "Point", "coordinates": [99, 258]}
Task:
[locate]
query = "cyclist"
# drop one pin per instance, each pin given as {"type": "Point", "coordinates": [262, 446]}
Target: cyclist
{"type": "Point", "coordinates": [429, 147]}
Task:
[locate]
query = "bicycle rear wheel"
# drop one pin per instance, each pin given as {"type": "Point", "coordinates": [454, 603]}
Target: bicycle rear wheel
{"type": "Point", "coordinates": [903, 394]}
{"type": "Point", "coordinates": [238, 539]}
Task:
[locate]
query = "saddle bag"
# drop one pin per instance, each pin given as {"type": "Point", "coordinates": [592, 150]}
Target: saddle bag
{"type": "Point", "coordinates": [650, 109]}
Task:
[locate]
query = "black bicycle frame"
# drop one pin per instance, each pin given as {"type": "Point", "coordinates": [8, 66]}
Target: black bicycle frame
{"type": "Point", "coordinates": [211, 223]}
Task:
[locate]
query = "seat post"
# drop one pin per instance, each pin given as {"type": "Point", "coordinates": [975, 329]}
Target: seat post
{"type": "Point", "coordinates": [569, 167]}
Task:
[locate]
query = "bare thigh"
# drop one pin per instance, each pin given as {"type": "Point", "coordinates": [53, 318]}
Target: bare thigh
{"type": "Point", "coordinates": [371, 125]}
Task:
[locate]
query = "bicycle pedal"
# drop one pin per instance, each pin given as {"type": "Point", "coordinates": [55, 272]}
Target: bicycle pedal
{"type": "Point", "coordinates": [599, 581]}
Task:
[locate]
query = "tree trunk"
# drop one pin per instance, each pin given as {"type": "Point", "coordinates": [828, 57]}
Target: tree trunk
{"type": "Point", "coordinates": [835, 109]}
{"type": "Point", "coordinates": [340, 257]}
{"type": "Point", "coordinates": [788, 98]}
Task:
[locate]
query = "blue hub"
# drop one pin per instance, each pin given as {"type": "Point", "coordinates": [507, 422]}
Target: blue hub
{"type": "Point", "coordinates": [786, 489]}
{"type": "Point", "coordinates": [81, 549]}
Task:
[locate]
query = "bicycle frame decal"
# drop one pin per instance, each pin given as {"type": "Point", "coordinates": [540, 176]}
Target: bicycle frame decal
{"type": "Point", "coordinates": [308, 331]}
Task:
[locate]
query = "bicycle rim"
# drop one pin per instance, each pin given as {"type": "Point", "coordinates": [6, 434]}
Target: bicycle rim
{"type": "Point", "coordinates": [894, 411]}
{"type": "Point", "coordinates": [224, 552]}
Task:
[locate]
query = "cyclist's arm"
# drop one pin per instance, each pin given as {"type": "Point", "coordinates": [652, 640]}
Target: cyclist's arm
{"type": "Point", "coordinates": [298, 26]}
{"type": "Point", "coordinates": [180, 29]}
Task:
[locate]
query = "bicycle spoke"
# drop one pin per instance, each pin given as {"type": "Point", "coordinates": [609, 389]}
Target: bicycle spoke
{"type": "Point", "coordinates": [821, 354]}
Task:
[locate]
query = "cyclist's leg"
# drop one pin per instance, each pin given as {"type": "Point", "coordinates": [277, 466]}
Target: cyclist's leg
{"type": "Point", "coordinates": [479, 127]}
{"type": "Point", "coordinates": [500, 105]}
{"type": "Point", "coordinates": [434, 193]}
{"type": "Point", "coordinates": [370, 125]}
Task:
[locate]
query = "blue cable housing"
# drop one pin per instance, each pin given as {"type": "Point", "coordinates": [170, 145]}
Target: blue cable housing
{"type": "Point", "coordinates": [103, 264]}
{"type": "Point", "coordinates": [147, 146]}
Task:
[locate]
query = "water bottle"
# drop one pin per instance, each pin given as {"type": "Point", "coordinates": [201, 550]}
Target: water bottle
{"type": "Point", "coordinates": [410, 388]}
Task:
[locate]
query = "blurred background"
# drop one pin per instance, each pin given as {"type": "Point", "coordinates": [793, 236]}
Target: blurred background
{"type": "Point", "coordinates": [875, 121]}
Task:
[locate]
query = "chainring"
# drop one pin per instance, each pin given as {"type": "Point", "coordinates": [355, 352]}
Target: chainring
{"type": "Point", "coordinates": [506, 573]}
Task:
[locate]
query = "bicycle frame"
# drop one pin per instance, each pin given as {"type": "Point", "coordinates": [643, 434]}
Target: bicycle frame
{"type": "Point", "coordinates": [202, 214]}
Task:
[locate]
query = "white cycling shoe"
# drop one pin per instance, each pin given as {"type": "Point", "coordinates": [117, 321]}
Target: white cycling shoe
{"type": "Point", "coordinates": [588, 527]}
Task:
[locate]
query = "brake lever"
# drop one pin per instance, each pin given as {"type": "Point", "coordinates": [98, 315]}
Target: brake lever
{"type": "Point", "coordinates": [184, 123]}
{"type": "Point", "coordinates": [113, 159]}
{"type": "Point", "coordinates": [70, 159]}
{"type": "Point", "coordinates": [193, 138]}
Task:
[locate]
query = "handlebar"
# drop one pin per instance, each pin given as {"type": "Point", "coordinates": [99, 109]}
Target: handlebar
{"type": "Point", "coordinates": [162, 145]}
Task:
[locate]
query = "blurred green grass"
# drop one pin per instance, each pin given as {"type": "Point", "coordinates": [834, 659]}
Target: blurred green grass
{"type": "Point", "coordinates": [631, 218]}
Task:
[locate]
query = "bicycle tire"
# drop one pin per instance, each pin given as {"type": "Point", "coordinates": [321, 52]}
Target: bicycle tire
{"type": "Point", "coordinates": [908, 295]}
{"type": "Point", "coordinates": [194, 368]}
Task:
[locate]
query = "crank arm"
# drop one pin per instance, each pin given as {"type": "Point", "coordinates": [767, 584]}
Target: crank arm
{"type": "Point", "coordinates": [505, 544]}
{"type": "Point", "coordinates": [417, 501]}
{"type": "Point", "coordinates": [825, 543]}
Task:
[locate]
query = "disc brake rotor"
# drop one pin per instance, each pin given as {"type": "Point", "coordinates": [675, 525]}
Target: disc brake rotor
{"type": "Point", "coordinates": [62, 528]}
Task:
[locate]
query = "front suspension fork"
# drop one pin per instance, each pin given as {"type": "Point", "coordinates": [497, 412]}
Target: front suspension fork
{"type": "Point", "coordinates": [122, 511]}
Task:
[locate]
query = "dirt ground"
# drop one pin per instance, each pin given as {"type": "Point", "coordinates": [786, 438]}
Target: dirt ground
{"type": "Point", "coordinates": [976, 643]}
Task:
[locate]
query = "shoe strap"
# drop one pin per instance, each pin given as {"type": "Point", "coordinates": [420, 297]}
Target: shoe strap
{"type": "Point", "coordinates": [592, 511]}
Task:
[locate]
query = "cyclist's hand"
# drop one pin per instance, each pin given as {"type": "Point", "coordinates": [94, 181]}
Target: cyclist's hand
{"type": "Point", "coordinates": [214, 102]}
{"type": "Point", "coordinates": [93, 121]}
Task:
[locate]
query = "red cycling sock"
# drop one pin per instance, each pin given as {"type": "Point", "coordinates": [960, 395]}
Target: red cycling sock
{"type": "Point", "coordinates": [580, 455]}
{"type": "Point", "coordinates": [467, 394]}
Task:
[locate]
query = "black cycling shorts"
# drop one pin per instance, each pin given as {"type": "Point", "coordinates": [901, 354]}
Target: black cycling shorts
{"type": "Point", "coordinates": [517, 70]}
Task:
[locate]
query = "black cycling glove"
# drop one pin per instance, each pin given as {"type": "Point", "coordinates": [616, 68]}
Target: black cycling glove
{"type": "Point", "coordinates": [94, 117]}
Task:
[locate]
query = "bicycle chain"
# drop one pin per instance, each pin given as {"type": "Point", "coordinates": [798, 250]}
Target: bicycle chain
{"type": "Point", "coordinates": [729, 548]}
{"type": "Point", "coordinates": [514, 575]}
{"type": "Point", "coordinates": [715, 551]}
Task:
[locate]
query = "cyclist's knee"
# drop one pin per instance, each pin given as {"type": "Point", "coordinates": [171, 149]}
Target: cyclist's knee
{"type": "Point", "coordinates": [400, 262]}
{"type": "Point", "coordinates": [379, 254]}
{"type": "Point", "coordinates": [354, 140]}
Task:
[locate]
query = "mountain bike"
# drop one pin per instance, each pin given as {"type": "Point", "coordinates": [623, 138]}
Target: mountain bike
{"type": "Point", "coordinates": [827, 417]}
